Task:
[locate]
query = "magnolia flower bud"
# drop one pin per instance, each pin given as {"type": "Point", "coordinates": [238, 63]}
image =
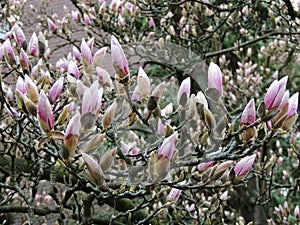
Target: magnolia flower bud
{"type": "Point", "coordinates": [56, 89]}
{"type": "Point", "coordinates": [45, 113]}
{"type": "Point", "coordinates": [19, 36]}
{"type": "Point", "coordinates": [76, 54]}
{"type": "Point", "coordinates": [293, 105]}
{"type": "Point", "coordinates": [109, 115]}
{"type": "Point", "coordinates": [244, 165]}
{"type": "Point", "coordinates": [95, 172]}
{"type": "Point", "coordinates": [86, 52]}
{"type": "Point", "coordinates": [51, 25]}
{"type": "Point", "coordinates": [24, 61]}
{"type": "Point", "coordinates": [20, 86]}
{"type": "Point", "coordinates": [200, 98]}
{"type": "Point", "coordinates": [281, 89]}
{"type": "Point", "coordinates": [33, 47]}
{"type": "Point", "coordinates": [161, 168]}
{"type": "Point", "coordinates": [292, 115]}
{"type": "Point", "coordinates": [29, 105]}
{"type": "Point", "coordinates": [174, 194]}
{"type": "Point", "coordinates": [151, 22]}
{"type": "Point", "coordinates": [99, 55]}
{"type": "Point", "coordinates": [91, 101]}
{"type": "Point", "coordinates": [96, 142]}
{"type": "Point", "coordinates": [297, 212]}
{"type": "Point", "coordinates": [136, 94]}
{"type": "Point", "coordinates": [209, 119]}
{"type": "Point", "coordinates": [119, 60]}
{"type": "Point", "coordinates": [107, 159]}
{"type": "Point", "coordinates": [219, 170]}
{"type": "Point", "coordinates": [87, 19]}
{"type": "Point", "coordinates": [71, 136]}
{"type": "Point", "coordinates": [168, 145]}
{"type": "Point", "coordinates": [249, 114]}
{"type": "Point", "coordinates": [248, 118]}
{"type": "Point", "coordinates": [184, 92]}
{"type": "Point", "coordinates": [158, 90]}
{"type": "Point", "coordinates": [204, 166]}
{"type": "Point", "coordinates": [31, 89]}
{"type": "Point", "coordinates": [73, 69]}
{"type": "Point", "coordinates": [271, 94]}
{"type": "Point", "coordinates": [143, 83]}
{"type": "Point", "coordinates": [215, 77]}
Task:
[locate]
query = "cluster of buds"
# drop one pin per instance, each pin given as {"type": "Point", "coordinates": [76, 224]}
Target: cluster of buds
{"type": "Point", "coordinates": [281, 108]}
{"type": "Point", "coordinates": [277, 98]}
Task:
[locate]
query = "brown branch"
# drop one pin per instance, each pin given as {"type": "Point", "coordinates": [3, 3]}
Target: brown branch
{"type": "Point", "coordinates": [244, 44]}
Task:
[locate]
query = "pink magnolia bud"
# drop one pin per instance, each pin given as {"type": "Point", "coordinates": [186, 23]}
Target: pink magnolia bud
{"type": "Point", "coordinates": [119, 60]}
{"type": "Point", "coordinates": [293, 105]}
{"type": "Point", "coordinates": [200, 98]}
{"type": "Point", "coordinates": [281, 89]}
{"type": "Point", "coordinates": [174, 194]}
{"type": "Point", "coordinates": [71, 136]}
{"type": "Point", "coordinates": [73, 69]}
{"type": "Point", "coordinates": [86, 52]}
{"type": "Point", "coordinates": [136, 94]}
{"type": "Point", "coordinates": [75, 15]}
{"type": "Point", "coordinates": [95, 172]}
{"type": "Point", "coordinates": [99, 55]}
{"type": "Point", "coordinates": [297, 212]}
{"type": "Point", "coordinates": [90, 43]}
{"type": "Point", "coordinates": [56, 89]}
{"type": "Point", "coordinates": [91, 101]}
{"type": "Point", "coordinates": [215, 77]}
{"type": "Point", "coordinates": [151, 22]}
{"type": "Point", "coordinates": [24, 61]}
{"type": "Point", "coordinates": [20, 86]}
{"type": "Point", "coordinates": [167, 110]}
{"type": "Point", "coordinates": [107, 159]}
{"type": "Point", "coordinates": [45, 113]}
{"type": "Point", "coordinates": [271, 94]}
{"type": "Point", "coordinates": [249, 114]}
{"type": "Point", "coordinates": [158, 90]}
{"type": "Point", "coordinates": [171, 30]}
{"type": "Point", "coordinates": [292, 115]}
{"type": "Point", "coordinates": [244, 165]}
{"type": "Point", "coordinates": [160, 127]}
{"type": "Point", "coordinates": [19, 36]}
{"type": "Point", "coordinates": [76, 54]}
{"type": "Point", "coordinates": [31, 89]}
{"type": "Point", "coordinates": [70, 107]}
{"type": "Point", "coordinates": [87, 19]}
{"type": "Point", "coordinates": [168, 146]}
{"type": "Point", "coordinates": [51, 25]}
{"type": "Point", "coordinates": [184, 92]}
{"type": "Point", "coordinates": [104, 77]}
{"type": "Point", "coordinates": [204, 166]}
{"type": "Point", "coordinates": [121, 21]}
{"type": "Point", "coordinates": [143, 83]}
{"type": "Point", "coordinates": [285, 99]}
{"type": "Point", "coordinates": [8, 50]}
{"type": "Point", "coordinates": [33, 47]}
{"type": "Point", "coordinates": [95, 143]}
{"type": "Point", "coordinates": [109, 115]}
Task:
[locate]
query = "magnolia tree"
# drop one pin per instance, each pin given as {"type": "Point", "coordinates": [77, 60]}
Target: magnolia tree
{"type": "Point", "coordinates": [160, 138]}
